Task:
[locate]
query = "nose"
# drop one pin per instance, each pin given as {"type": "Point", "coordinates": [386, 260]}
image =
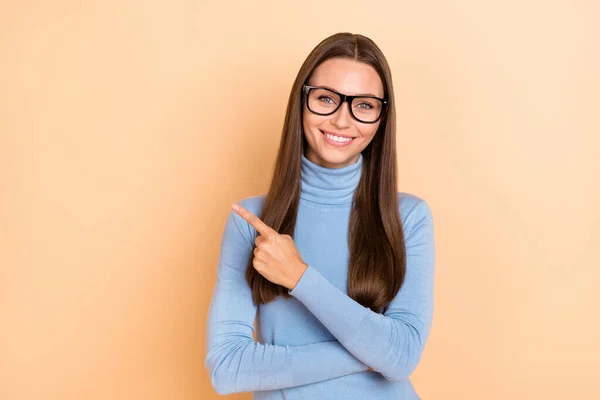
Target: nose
{"type": "Point", "coordinates": [342, 118]}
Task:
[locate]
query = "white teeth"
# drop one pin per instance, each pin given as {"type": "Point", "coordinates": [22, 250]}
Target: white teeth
{"type": "Point", "coordinates": [337, 138]}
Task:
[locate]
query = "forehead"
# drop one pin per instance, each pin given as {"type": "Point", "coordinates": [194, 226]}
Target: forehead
{"type": "Point", "coordinates": [348, 76]}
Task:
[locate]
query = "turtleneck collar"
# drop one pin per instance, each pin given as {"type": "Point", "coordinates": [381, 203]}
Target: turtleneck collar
{"type": "Point", "coordinates": [329, 185]}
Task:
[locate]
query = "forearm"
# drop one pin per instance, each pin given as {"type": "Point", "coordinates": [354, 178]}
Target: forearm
{"type": "Point", "coordinates": [242, 365]}
{"type": "Point", "coordinates": [392, 342]}
{"type": "Point", "coordinates": [390, 346]}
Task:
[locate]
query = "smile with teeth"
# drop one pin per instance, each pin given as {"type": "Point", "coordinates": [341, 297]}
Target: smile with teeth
{"type": "Point", "coordinates": [338, 139]}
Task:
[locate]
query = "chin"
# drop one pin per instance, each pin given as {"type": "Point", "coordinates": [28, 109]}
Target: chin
{"type": "Point", "coordinates": [336, 158]}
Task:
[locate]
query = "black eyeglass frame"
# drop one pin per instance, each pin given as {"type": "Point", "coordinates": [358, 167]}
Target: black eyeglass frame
{"type": "Point", "coordinates": [345, 98]}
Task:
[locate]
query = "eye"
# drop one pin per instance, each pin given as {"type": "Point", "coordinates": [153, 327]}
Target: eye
{"type": "Point", "coordinates": [365, 106]}
{"type": "Point", "coordinates": [326, 99]}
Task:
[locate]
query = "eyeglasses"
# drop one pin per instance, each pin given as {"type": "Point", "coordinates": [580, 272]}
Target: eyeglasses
{"type": "Point", "coordinates": [323, 101]}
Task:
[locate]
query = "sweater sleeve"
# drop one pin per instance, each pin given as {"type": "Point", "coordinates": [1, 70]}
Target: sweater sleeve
{"type": "Point", "coordinates": [236, 362]}
{"type": "Point", "coordinates": [392, 342]}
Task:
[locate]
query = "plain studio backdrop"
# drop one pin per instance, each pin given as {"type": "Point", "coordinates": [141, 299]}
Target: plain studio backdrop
{"type": "Point", "coordinates": [128, 128]}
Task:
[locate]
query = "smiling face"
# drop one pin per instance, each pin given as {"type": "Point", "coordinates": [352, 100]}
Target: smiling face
{"type": "Point", "coordinates": [348, 77]}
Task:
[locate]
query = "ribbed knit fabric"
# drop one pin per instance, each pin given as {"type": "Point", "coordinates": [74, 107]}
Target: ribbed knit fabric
{"type": "Point", "coordinates": [319, 343]}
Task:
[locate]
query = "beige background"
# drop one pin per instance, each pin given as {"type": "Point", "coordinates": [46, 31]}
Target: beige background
{"type": "Point", "coordinates": [129, 127]}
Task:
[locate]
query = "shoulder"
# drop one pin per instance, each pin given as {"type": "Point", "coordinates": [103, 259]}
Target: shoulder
{"type": "Point", "coordinates": [414, 211]}
{"type": "Point", "coordinates": [254, 204]}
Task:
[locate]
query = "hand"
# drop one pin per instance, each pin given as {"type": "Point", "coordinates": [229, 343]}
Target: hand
{"type": "Point", "coordinates": [276, 256]}
{"type": "Point", "coordinates": [371, 369]}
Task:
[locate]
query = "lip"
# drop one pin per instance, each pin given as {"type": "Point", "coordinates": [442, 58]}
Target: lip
{"type": "Point", "coordinates": [334, 143]}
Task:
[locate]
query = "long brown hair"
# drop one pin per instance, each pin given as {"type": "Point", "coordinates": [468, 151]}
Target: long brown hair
{"type": "Point", "coordinates": [377, 263]}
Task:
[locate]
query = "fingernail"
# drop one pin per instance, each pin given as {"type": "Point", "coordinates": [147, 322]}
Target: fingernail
{"type": "Point", "coordinates": [235, 207]}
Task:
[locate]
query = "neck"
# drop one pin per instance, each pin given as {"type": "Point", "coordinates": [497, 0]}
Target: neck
{"type": "Point", "coordinates": [330, 186]}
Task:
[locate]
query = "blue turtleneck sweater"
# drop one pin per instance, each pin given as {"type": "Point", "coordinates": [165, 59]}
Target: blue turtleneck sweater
{"type": "Point", "coordinates": [319, 343]}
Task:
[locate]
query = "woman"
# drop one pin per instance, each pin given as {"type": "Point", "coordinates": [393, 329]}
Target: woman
{"type": "Point", "coordinates": [335, 262]}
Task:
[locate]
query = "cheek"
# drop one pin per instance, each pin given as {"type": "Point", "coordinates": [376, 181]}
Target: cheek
{"type": "Point", "coordinates": [310, 122]}
{"type": "Point", "coordinates": [369, 131]}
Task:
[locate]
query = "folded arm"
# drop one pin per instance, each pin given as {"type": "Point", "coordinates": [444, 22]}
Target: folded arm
{"type": "Point", "coordinates": [392, 342]}
{"type": "Point", "coordinates": [235, 361]}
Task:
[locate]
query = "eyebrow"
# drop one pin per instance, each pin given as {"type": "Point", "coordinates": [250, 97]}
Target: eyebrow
{"type": "Point", "coordinates": [358, 94]}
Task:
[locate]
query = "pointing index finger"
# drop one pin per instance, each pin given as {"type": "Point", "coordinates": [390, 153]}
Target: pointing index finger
{"type": "Point", "coordinates": [253, 220]}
